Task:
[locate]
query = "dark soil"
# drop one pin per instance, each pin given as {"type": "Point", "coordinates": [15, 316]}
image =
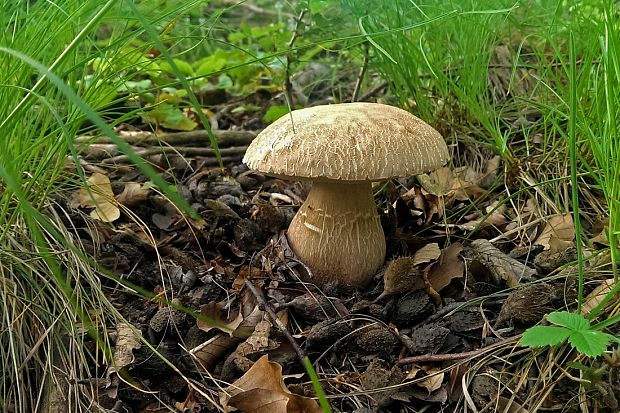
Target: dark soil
{"type": "Point", "coordinates": [432, 317]}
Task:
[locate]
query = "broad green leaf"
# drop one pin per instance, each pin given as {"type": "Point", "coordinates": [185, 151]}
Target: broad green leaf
{"type": "Point", "coordinates": [210, 65]}
{"type": "Point", "coordinates": [572, 321]}
{"type": "Point", "coordinates": [591, 343]}
{"type": "Point", "coordinates": [183, 66]}
{"type": "Point", "coordinates": [274, 113]}
{"type": "Point", "coordinates": [170, 117]}
{"type": "Point", "coordinates": [540, 336]}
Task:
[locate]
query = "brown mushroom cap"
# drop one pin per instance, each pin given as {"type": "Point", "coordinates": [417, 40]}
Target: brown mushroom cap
{"type": "Point", "coordinates": [347, 141]}
{"type": "Point", "coordinates": [337, 231]}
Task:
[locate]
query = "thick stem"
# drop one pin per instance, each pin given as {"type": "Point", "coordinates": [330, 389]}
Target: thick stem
{"type": "Point", "coordinates": [337, 234]}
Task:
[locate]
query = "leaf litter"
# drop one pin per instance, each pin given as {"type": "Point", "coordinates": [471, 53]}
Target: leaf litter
{"type": "Point", "coordinates": [447, 289]}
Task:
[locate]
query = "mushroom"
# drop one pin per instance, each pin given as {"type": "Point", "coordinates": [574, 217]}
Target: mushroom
{"type": "Point", "coordinates": [342, 149]}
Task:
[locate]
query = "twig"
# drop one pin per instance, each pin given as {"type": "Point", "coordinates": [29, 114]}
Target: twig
{"type": "Point", "coordinates": [185, 151]}
{"type": "Point", "coordinates": [264, 305]}
{"type": "Point", "coordinates": [224, 138]}
{"type": "Point", "coordinates": [361, 74]}
{"type": "Point", "coordinates": [456, 356]}
{"type": "Point", "coordinates": [288, 86]}
{"type": "Point", "coordinates": [372, 92]}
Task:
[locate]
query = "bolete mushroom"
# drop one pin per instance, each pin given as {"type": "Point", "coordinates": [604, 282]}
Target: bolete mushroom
{"type": "Point", "coordinates": [342, 148]}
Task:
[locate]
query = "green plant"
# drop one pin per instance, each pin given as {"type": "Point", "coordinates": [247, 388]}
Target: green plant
{"type": "Point", "coordinates": [585, 338]}
{"type": "Point", "coordinates": [53, 304]}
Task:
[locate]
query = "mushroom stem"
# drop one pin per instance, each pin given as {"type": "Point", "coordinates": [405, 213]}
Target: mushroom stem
{"type": "Point", "coordinates": [337, 233]}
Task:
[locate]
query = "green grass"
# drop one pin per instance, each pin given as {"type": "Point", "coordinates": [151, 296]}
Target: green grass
{"type": "Point", "coordinates": [53, 306]}
{"type": "Point", "coordinates": [565, 93]}
{"type": "Point", "coordinates": [555, 123]}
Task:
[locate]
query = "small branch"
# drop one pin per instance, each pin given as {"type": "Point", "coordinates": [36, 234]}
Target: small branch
{"type": "Point", "coordinates": [288, 86]}
{"type": "Point", "coordinates": [224, 138]}
{"type": "Point", "coordinates": [372, 92]}
{"type": "Point", "coordinates": [264, 305]}
{"type": "Point", "coordinates": [184, 151]}
{"type": "Point", "coordinates": [456, 356]}
{"type": "Point", "coordinates": [360, 76]}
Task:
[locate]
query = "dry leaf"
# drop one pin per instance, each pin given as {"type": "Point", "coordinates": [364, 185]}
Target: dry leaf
{"type": "Point", "coordinates": [452, 184]}
{"type": "Point", "coordinates": [127, 340]}
{"type": "Point", "coordinates": [426, 377]}
{"type": "Point", "coordinates": [495, 217]}
{"type": "Point", "coordinates": [238, 361]}
{"type": "Point", "coordinates": [262, 390]}
{"type": "Point", "coordinates": [433, 379]}
{"type": "Point", "coordinates": [133, 194]}
{"type": "Point", "coordinates": [597, 295]}
{"type": "Point", "coordinates": [559, 230]}
{"type": "Point", "coordinates": [211, 351]}
{"type": "Point", "coordinates": [212, 313]}
{"type": "Point", "coordinates": [449, 267]}
{"type": "Point", "coordinates": [428, 253]}
{"type": "Point", "coordinates": [438, 182]}
{"type": "Point", "coordinates": [99, 195]}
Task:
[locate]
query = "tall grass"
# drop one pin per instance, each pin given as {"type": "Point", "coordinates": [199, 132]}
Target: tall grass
{"type": "Point", "coordinates": [498, 73]}
{"type": "Point", "coordinates": [53, 307]}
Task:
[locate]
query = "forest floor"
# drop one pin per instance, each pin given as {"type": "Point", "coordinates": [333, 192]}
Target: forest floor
{"type": "Point", "coordinates": [436, 330]}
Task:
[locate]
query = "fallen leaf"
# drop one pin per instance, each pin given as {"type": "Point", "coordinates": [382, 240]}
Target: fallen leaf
{"type": "Point", "coordinates": [559, 230]}
{"type": "Point", "coordinates": [133, 194]}
{"type": "Point", "coordinates": [212, 318]}
{"type": "Point", "coordinates": [433, 379]}
{"type": "Point", "coordinates": [210, 352]}
{"type": "Point", "coordinates": [127, 340]}
{"type": "Point", "coordinates": [495, 217]}
{"type": "Point", "coordinates": [98, 195]}
{"type": "Point", "coordinates": [597, 295]}
{"type": "Point", "coordinates": [451, 184]}
{"type": "Point", "coordinates": [449, 267]}
{"type": "Point", "coordinates": [428, 253]}
{"type": "Point", "coordinates": [438, 182]}
{"type": "Point", "coordinates": [426, 377]}
{"type": "Point", "coordinates": [262, 390]}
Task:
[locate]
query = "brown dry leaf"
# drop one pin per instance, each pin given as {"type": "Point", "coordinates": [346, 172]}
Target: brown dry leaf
{"type": "Point", "coordinates": [463, 189]}
{"type": "Point", "coordinates": [238, 361]}
{"type": "Point", "coordinates": [428, 253]}
{"type": "Point", "coordinates": [212, 313]}
{"type": "Point", "coordinates": [99, 195]}
{"type": "Point", "coordinates": [262, 390]}
{"type": "Point", "coordinates": [599, 229]}
{"type": "Point", "coordinates": [427, 377]}
{"type": "Point", "coordinates": [133, 194]}
{"type": "Point", "coordinates": [597, 295]}
{"type": "Point", "coordinates": [449, 267]}
{"type": "Point", "coordinates": [495, 217]}
{"type": "Point", "coordinates": [433, 379]}
{"type": "Point", "coordinates": [211, 351]}
{"type": "Point", "coordinates": [560, 227]}
{"type": "Point", "coordinates": [458, 184]}
{"type": "Point", "coordinates": [438, 182]}
{"type": "Point", "coordinates": [127, 340]}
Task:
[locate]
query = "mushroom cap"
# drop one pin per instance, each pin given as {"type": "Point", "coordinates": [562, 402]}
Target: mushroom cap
{"type": "Point", "coordinates": [347, 141]}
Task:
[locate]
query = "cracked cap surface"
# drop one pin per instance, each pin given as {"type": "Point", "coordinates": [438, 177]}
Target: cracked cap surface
{"type": "Point", "coordinates": [347, 141]}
